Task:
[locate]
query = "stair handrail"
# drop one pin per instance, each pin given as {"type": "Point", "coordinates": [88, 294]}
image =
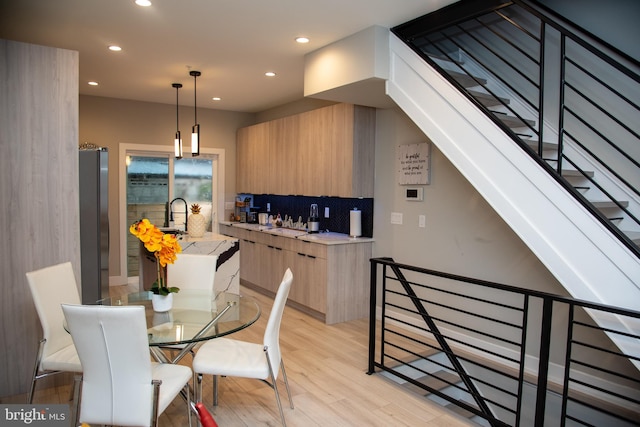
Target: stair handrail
{"type": "Point", "coordinates": [459, 368]}
{"type": "Point", "coordinates": [550, 307]}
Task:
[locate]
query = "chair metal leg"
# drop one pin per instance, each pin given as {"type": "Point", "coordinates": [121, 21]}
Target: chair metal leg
{"type": "Point", "coordinates": [274, 385]}
{"type": "Point", "coordinates": [75, 406]}
{"type": "Point", "coordinates": [154, 408]}
{"type": "Point", "coordinates": [36, 368]}
{"type": "Point", "coordinates": [198, 389]}
{"type": "Point", "coordinates": [286, 382]}
{"type": "Point", "coordinates": [215, 390]}
{"type": "Point", "coordinates": [188, 403]}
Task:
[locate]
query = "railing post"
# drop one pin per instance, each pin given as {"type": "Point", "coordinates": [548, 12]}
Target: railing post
{"type": "Point", "coordinates": [543, 361]}
{"type": "Point", "coordinates": [372, 315]}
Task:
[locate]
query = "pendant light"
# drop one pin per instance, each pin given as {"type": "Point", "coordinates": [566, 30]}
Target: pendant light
{"type": "Point", "coordinates": [178, 139]}
{"type": "Point", "coordinates": [195, 129]}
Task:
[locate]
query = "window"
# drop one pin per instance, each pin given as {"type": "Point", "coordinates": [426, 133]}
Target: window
{"type": "Point", "coordinates": [154, 183]}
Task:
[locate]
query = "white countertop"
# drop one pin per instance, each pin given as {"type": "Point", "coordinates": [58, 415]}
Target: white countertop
{"type": "Point", "coordinates": [325, 238]}
{"type": "Point", "coordinates": [208, 236]}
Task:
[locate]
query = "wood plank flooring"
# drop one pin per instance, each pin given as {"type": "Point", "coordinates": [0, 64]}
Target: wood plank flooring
{"type": "Point", "coordinates": [326, 366]}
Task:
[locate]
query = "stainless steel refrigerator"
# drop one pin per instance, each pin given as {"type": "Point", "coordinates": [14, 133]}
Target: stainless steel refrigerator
{"type": "Point", "coordinates": [94, 224]}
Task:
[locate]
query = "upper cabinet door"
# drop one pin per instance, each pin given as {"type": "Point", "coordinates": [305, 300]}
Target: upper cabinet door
{"type": "Point", "coordinates": [285, 156]}
{"type": "Point", "coordinates": [252, 159]}
{"type": "Point", "coordinates": [316, 128]}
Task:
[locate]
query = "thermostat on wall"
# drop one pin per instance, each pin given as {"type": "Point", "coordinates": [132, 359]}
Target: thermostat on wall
{"type": "Point", "coordinates": [414, 194]}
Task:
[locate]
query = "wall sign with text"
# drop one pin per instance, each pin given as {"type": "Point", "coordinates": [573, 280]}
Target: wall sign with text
{"type": "Point", "coordinates": [413, 164]}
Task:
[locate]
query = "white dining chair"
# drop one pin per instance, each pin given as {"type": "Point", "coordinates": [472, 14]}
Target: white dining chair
{"type": "Point", "coordinates": [193, 271]}
{"type": "Point", "coordinates": [120, 384]}
{"type": "Point", "coordinates": [230, 357]}
{"type": "Point", "coordinates": [50, 287]}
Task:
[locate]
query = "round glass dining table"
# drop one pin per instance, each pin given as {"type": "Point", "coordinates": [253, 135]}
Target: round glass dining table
{"type": "Point", "coordinates": [196, 316]}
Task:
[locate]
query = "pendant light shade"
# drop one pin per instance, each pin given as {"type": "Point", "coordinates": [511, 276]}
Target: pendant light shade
{"type": "Point", "coordinates": [195, 130]}
{"type": "Point", "coordinates": [178, 139]}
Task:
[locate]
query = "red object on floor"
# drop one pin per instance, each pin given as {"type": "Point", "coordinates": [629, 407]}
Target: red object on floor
{"type": "Point", "coordinates": [206, 419]}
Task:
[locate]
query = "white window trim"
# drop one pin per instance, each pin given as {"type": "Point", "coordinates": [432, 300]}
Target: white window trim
{"type": "Point", "coordinates": [217, 156]}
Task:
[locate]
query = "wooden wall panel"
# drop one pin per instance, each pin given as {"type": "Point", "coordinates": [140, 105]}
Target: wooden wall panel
{"type": "Point", "coordinates": [38, 190]}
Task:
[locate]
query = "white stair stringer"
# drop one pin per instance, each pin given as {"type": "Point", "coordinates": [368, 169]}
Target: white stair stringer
{"type": "Point", "coordinates": [576, 248]}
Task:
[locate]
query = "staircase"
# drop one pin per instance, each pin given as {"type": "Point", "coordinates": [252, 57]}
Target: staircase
{"type": "Point", "coordinates": [482, 88]}
{"type": "Point", "coordinates": [532, 168]}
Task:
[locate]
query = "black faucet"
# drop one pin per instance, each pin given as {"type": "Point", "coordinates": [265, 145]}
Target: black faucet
{"type": "Point", "coordinates": [186, 211]}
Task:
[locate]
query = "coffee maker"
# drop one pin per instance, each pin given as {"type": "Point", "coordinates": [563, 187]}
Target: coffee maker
{"type": "Point", "coordinates": [313, 225]}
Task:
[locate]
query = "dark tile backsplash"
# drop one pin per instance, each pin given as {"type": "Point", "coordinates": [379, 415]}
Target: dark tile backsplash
{"type": "Point", "coordinates": [339, 208]}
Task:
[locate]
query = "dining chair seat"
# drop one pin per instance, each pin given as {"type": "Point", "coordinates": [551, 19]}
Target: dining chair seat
{"type": "Point", "coordinates": [173, 381]}
{"type": "Point", "coordinates": [233, 357]}
{"type": "Point", "coordinates": [66, 359]}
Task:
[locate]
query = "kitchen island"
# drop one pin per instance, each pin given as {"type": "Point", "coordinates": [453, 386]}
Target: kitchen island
{"type": "Point", "coordinates": [330, 270]}
{"type": "Point", "coordinates": [227, 277]}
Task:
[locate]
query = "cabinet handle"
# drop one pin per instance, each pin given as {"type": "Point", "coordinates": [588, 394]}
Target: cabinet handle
{"type": "Point", "coordinates": [270, 247]}
{"type": "Point", "coordinates": [311, 256]}
{"type": "Point", "coordinates": [301, 254]}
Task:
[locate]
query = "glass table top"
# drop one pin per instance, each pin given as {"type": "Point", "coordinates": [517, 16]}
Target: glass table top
{"type": "Point", "coordinates": [196, 315]}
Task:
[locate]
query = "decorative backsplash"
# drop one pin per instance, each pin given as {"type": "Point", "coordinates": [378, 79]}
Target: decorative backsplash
{"type": "Point", "coordinates": [339, 208]}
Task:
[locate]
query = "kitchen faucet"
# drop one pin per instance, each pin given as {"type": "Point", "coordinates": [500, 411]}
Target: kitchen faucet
{"type": "Point", "coordinates": [186, 211]}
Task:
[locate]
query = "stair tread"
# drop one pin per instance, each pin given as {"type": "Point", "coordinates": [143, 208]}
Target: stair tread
{"type": "Point", "coordinates": [568, 173]}
{"type": "Point", "coordinates": [439, 380]}
{"type": "Point", "coordinates": [459, 410]}
{"type": "Point", "coordinates": [487, 99]}
{"type": "Point", "coordinates": [604, 204]}
{"type": "Point", "coordinates": [465, 80]}
{"type": "Point", "coordinates": [445, 58]}
{"type": "Point", "coordinates": [513, 121]}
{"type": "Point", "coordinates": [634, 236]}
{"type": "Point", "coordinates": [545, 145]}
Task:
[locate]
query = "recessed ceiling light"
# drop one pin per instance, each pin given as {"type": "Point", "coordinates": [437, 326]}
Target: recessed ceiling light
{"type": "Point", "coordinates": [270, 74]}
{"type": "Point", "coordinates": [302, 39]}
{"type": "Point", "coordinates": [115, 48]}
{"type": "Point", "coordinates": [93, 83]}
{"type": "Point", "coordinates": [216, 98]}
{"type": "Point", "coordinates": [144, 3]}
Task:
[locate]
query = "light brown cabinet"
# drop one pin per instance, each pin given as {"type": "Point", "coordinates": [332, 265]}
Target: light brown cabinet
{"type": "Point", "coordinates": [284, 155]}
{"type": "Point", "coordinates": [253, 159]}
{"type": "Point", "coordinates": [325, 152]}
{"type": "Point", "coordinates": [331, 282]}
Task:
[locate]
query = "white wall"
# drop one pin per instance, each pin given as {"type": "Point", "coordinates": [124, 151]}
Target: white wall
{"type": "Point", "coordinates": [463, 234]}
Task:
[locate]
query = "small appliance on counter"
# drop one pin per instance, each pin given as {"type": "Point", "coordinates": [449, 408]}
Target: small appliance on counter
{"type": "Point", "coordinates": [313, 224]}
{"type": "Point", "coordinates": [252, 215]}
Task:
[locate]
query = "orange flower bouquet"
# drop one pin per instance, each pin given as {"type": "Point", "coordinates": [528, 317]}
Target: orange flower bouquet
{"type": "Point", "coordinates": [164, 247]}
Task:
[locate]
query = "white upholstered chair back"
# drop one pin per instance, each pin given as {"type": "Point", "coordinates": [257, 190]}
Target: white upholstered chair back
{"type": "Point", "coordinates": [194, 271]}
{"type": "Point", "coordinates": [113, 347]}
{"type": "Point", "coordinates": [272, 331]}
{"type": "Point", "coordinates": [50, 287]}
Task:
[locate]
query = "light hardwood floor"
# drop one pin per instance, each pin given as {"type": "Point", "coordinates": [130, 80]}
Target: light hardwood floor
{"type": "Point", "coordinates": [326, 366]}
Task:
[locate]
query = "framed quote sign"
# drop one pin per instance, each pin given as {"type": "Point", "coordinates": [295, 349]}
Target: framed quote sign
{"type": "Point", "coordinates": [413, 164]}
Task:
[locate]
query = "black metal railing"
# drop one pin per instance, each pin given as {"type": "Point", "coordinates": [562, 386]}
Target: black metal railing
{"type": "Point", "coordinates": [567, 98]}
{"type": "Point", "coordinates": [509, 356]}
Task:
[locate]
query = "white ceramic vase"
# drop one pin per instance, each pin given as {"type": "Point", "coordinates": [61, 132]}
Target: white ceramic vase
{"type": "Point", "coordinates": [196, 224]}
{"type": "Point", "coordinates": [162, 303]}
